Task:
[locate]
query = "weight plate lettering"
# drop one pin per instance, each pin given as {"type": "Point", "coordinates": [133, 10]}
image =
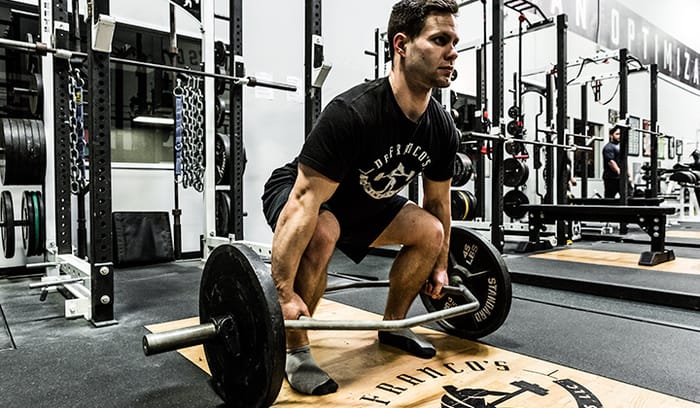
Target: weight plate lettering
{"type": "Point", "coordinates": [478, 265]}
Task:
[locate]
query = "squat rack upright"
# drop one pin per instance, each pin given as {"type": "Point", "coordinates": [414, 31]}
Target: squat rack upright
{"type": "Point", "coordinates": [95, 300]}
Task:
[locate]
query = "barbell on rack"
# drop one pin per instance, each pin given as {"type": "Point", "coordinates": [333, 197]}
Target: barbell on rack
{"type": "Point", "coordinates": [243, 331]}
{"type": "Point", "coordinates": [43, 49]}
{"type": "Point", "coordinates": [589, 138]}
{"type": "Point", "coordinates": [501, 138]}
{"type": "Point", "coordinates": [625, 124]}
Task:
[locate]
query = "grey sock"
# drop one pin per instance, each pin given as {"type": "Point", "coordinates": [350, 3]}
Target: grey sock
{"type": "Point", "coordinates": [305, 376]}
{"type": "Point", "coordinates": [408, 341]}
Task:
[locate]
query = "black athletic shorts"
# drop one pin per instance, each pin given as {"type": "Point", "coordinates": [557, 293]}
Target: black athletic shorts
{"type": "Point", "coordinates": [355, 236]}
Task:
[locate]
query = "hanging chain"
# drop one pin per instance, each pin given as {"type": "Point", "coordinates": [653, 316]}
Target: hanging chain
{"type": "Point", "coordinates": [76, 85]}
{"type": "Point", "coordinates": [192, 132]}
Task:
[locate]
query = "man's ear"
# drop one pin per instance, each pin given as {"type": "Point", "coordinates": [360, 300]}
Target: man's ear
{"type": "Point", "coordinates": [400, 41]}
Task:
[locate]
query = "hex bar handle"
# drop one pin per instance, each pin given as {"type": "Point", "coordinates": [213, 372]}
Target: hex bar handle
{"type": "Point", "coordinates": [307, 323]}
{"type": "Point", "coordinates": [156, 343]}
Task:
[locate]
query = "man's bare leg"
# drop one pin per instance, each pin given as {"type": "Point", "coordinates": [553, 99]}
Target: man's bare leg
{"type": "Point", "coordinates": [303, 374]}
{"type": "Point", "coordinates": [421, 235]}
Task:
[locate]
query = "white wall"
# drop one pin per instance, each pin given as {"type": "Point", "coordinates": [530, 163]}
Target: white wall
{"type": "Point", "coordinates": [273, 120]}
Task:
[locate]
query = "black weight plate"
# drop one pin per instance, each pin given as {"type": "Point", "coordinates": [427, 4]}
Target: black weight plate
{"type": "Point", "coordinates": [222, 158]}
{"type": "Point", "coordinates": [36, 100]}
{"type": "Point", "coordinates": [513, 112]}
{"type": "Point", "coordinates": [39, 140]}
{"type": "Point", "coordinates": [7, 220]}
{"type": "Point", "coordinates": [515, 172]}
{"type": "Point", "coordinates": [512, 202]}
{"type": "Point", "coordinates": [10, 170]}
{"type": "Point", "coordinates": [459, 205]}
{"type": "Point", "coordinates": [220, 83]}
{"type": "Point", "coordinates": [513, 128]}
{"type": "Point", "coordinates": [219, 112]}
{"type": "Point", "coordinates": [35, 227]}
{"type": "Point", "coordinates": [247, 363]}
{"type": "Point", "coordinates": [222, 202]}
{"type": "Point", "coordinates": [27, 222]}
{"type": "Point", "coordinates": [476, 264]}
{"type": "Point", "coordinates": [463, 170]}
{"type": "Point", "coordinates": [5, 147]}
{"type": "Point", "coordinates": [40, 223]}
{"type": "Point", "coordinates": [471, 214]}
{"type": "Point", "coordinates": [514, 148]}
{"type": "Point", "coordinates": [16, 152]}
{"type": "Point", "coordinates": [20, 150]}
{"type": "Point", "coordinates": [31, 155]}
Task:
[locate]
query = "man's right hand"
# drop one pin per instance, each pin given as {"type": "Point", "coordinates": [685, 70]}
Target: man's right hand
{"type": "Point", "coordinates": [293, 307]}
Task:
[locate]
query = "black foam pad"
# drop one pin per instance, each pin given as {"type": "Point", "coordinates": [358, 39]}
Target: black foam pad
{"type": "Point", "coordinates": [141, 238]}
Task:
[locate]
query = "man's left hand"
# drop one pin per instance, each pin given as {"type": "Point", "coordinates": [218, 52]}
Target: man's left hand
{"type": "Point", "coordinates": [433, 287]}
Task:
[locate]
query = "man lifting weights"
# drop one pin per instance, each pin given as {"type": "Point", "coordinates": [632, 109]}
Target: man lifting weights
{"type": "Point", "coordinates": [342, 189]}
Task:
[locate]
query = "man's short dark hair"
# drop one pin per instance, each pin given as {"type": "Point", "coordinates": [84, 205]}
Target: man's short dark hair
{"type": "Point", "coordinates": [408, 17]}
{"type": "Point", "coordinates": [613, 130]}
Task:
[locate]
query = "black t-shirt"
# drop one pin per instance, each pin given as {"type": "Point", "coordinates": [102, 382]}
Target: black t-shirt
{"type": "Point", "coordinates": [364, 141]}
{"type": "Point", "coordinates": [611, 151]}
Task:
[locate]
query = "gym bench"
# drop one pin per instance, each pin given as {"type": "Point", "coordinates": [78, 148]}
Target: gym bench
{"type": "Point", "coordinates": [651, 219]}
{"type": "Point", "coordinates": [631, 201]}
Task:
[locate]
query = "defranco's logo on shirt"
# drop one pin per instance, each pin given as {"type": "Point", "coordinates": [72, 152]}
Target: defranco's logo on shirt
{"type": "Point", "coordinates": [394, 170]}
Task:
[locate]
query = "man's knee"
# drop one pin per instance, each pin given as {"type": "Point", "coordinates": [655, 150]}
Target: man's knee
{"type": "Point", "coordinates": [431, 233]}
{"type": "Point", "coordinates": [323, 241]}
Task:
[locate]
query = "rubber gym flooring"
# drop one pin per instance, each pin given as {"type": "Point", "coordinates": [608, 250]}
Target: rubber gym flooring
{"type": "Point", "coordinates": [609, 346]}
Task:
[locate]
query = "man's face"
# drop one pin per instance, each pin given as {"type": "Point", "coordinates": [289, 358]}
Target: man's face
{"type": "Point", "coordinates": [430, 57]}
{"type": "Point", "coordinates": [615, 137]}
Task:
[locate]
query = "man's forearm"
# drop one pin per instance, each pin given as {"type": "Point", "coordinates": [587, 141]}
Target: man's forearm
{"type": "Point", "coordinates": [613, 165]}
{"type": "Point", "coordinates": [442, 213]}
{"type": "Point", "coordinates": [292, 235]}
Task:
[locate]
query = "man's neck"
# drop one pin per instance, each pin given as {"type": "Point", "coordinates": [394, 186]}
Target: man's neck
{"type": "Point", "coordinates": [413, 100]}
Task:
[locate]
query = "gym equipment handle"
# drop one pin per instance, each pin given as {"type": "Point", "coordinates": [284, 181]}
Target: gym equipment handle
{"type": "Point", "coordinates": [307, 323]}
{"type": "Point", "coordinates": [156, 343]}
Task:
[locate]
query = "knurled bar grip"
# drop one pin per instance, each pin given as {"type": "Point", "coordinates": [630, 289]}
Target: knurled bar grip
{"type": "Point", "coordinates": [155, 343]}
